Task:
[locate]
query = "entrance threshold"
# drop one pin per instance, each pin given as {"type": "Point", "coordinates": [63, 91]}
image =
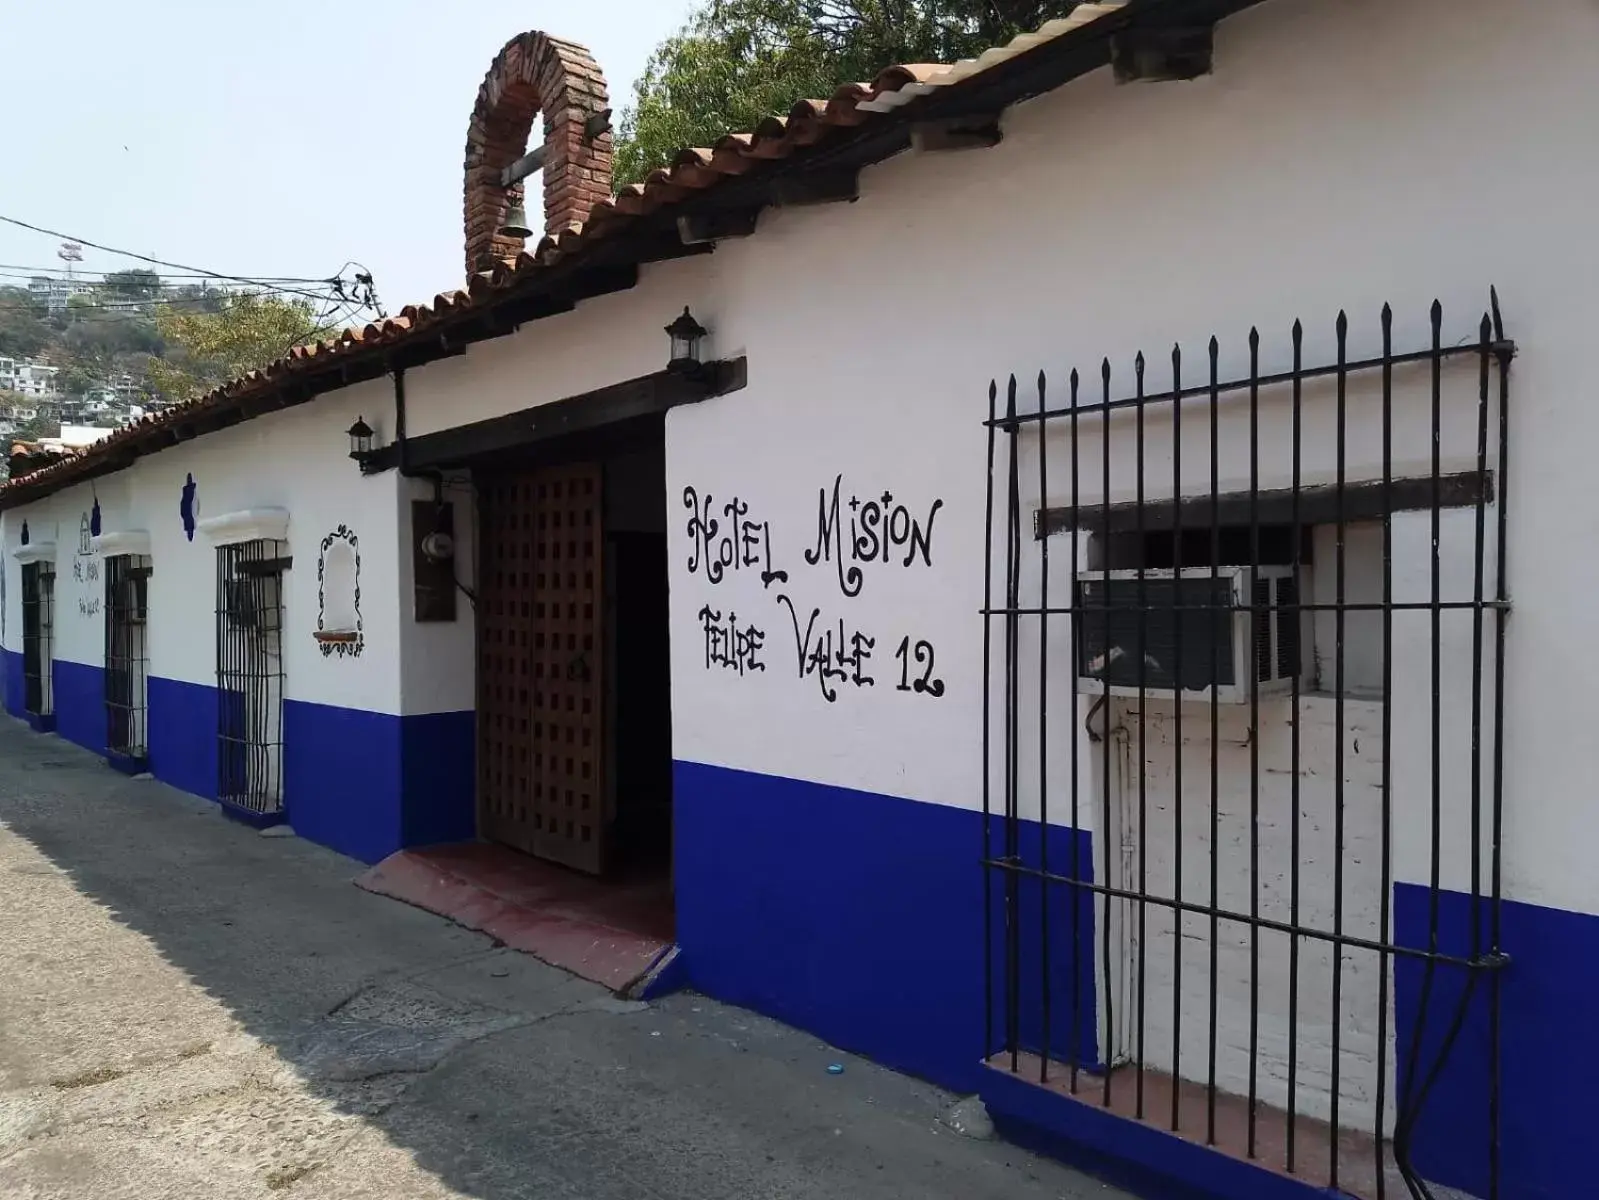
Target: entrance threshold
{"type": "Point", "coordinates": [609, 932]}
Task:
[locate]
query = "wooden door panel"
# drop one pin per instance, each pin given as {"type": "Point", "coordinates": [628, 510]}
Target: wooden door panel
{"type": "Point", "coordinates": [540, 665]}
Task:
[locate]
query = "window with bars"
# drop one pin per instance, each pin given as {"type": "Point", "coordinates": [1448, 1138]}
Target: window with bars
{"type": "Point", "coordinates": [127, 654]}
{"type": "Point", "coordinates": [249, 618]}
{"type": "Point", "coordinates": [38, 637]}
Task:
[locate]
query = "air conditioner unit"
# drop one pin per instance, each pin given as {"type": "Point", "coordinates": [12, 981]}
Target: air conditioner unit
{"type": "Point", "coordinates": [1192, 633]}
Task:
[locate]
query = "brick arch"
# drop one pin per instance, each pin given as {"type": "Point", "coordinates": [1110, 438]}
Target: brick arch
{"type": "Point", "coordinates": [534, 74]}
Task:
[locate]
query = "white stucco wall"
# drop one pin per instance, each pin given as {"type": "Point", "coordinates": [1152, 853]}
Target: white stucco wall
{"type": "Point", "coordinates": [1333, 161]}
{"type": "Point", "coordinates": [295, 460]}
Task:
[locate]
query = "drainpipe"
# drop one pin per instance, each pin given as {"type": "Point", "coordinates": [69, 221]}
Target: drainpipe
{"type": "Point", "coordinates": [399, 419]}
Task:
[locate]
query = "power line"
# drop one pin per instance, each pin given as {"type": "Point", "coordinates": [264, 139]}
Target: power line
{"type": "Point", "coordinates": [55, 233]}
{"type": "Point", "coordinates": [163, 282]}
{"type": "Point", "coordinates": [33, 271]}
{"type": "Point", "coordinates": [135, 305]}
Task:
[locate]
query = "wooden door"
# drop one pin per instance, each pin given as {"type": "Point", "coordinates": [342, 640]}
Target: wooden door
{"type": "Point", "coordinates": [541, 720]}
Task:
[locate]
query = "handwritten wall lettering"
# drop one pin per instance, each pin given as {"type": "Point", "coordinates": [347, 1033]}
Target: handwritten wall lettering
{"type": "Point", "coordinates": [853, 535]}
{"type": "Point", "coordinates": [920, 677]}
{"type": "Point", "coordinates": [729, 645]}
{"type": "Point", "coordinates": [879, 530]}
{"type": "Point", "coordinates": [746, 543]}
{"type": "Point", "coordinates": [86, 569]}
{"type": "Point", "coordinates": [830, 659]}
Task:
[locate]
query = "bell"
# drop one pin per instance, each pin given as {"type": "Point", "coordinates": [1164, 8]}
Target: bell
{"type": "Point", "coordinates": [515, 223]}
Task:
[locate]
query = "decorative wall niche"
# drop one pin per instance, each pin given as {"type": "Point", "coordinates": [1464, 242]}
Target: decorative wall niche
{"type": "Point", "coordinates": [338, 595]}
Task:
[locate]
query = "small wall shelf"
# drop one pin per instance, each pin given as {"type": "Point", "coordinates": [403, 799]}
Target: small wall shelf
{"type": "Point", "coordinates": [35, 552]}
{"type": "Point", "coordinates": [123, 541]}
{"type": "Point", "coordinates": [247, 525]}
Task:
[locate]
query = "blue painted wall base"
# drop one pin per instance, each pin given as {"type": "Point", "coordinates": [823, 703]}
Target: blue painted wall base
{"type": "Point", "coordinates": [79, 697]}
{"type": "Point", "coordinates": [15, 685]}
{"type": "Point", "coordinates": [182, 735]}
{"type": "Point", "coordinates": [368, 784]}
{"type": "Point", "coordinates": [1548, 1046]}
{"type": "Point", "coordinates": [859, 917]}
{"type": "Point", "coordinates": [363, 783]}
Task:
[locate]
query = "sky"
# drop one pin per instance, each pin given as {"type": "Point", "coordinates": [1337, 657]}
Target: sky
{"type": "Point", "coordinates": [268, 139]}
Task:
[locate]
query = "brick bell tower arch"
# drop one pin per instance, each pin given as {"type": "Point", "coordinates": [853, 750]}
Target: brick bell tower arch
{"type": "Point", "coordinates": [534, 74]}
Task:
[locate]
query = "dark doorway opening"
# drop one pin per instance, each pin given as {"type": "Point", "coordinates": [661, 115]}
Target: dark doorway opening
{"type": "Point", "coordinates": [127, 657]}
{"type": "Point", "coordinates": [573, 662]}
{"type": "Point", "coordinates": [38, 637]}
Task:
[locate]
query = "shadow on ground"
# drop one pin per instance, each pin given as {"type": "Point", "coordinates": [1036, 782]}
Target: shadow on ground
{"type": "Point", "coordinates": [444, 1065]}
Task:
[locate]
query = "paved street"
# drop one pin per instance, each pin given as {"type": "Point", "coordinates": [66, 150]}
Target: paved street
{"type": "Point", "coordinates": [188, 1008]}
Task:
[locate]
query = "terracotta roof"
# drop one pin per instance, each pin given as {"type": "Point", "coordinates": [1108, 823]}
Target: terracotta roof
{"type": "Point", "coordinates": [25, 458]}
{"type": "Point", "coordinates": [694, 173]}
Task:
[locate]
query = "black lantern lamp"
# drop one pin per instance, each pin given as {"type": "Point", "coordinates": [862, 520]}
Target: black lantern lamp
{"type": "Point", "coordinates": [361, 441]}
{"type": "Point", "coordinates": [688, 337]}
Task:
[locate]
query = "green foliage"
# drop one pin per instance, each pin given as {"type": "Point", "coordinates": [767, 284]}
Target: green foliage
{"type": "Point", "coordinates": [737, 61]}
{"type": "Point", "coordinates": [187, 340]}
{"type": "Point", "coordinates": [23, 332]}
{"type": "Point", "coordinates": [137, 284]}
{"type": "Point", "coordinates": [244, 331]}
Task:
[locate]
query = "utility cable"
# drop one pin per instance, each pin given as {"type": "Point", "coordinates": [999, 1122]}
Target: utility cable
{"type": "Point", "coordinates": [67, 237]}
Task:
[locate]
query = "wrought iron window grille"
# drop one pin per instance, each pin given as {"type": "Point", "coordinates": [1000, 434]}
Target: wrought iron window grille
{"type": "Point", "coordinates": [1086, 951]}
{"type": "Point", "coordinates": [127, 655]}
{"type": "Point", "coordinates": [250, 675]}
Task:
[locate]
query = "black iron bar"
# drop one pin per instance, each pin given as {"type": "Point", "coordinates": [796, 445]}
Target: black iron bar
{"type": "Point", "coordinates": [988, 675]}
{"type": "Point", "coordinates": [1177, 741]}
{"type": "Point", "coordinates": [1479, 569]}
{"type": "Point", "coordinates": [1143, 757]}
{"type": "Point", "coordinates": [1215, 735]}
{"type": "Point", "coordinates": [1074, 382]}
{"type": "Point", "coordinates": [1488, 962]}
{"type": "Point", "coordinates": [1502, 594]}
{"type": "Point", "coordinates": [1299, 374]}
{"type": "Point", "coordinates": [1385, 891]}
{"type": "Point", "coordinates": [1407, 1092]}
{"type": "Point", "coordinates": [1340, 535]}
{"type": "Point", "coordinates": [1353, 606]}
{"type": "Point", "coordinates": [1012, 725]}
{"type": "Point", "coordinates": [1254, 739]}
{"type": "Point", "coordinates": [1043, 746]}
{"type": "Point", "coordinates": [1298, 535]}
{"type": "Point", "coordinates": [1103, 835]}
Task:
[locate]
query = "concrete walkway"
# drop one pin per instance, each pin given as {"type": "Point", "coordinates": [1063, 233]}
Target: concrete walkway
{"type": "Point", "coordinates": [189, 1009]}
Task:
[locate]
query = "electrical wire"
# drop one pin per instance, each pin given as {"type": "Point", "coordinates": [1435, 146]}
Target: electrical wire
{"type": "Point", "coordinates": [134, 305]}
{"type": "Point", "coordinates": [67, 237]}
{"type": "Point", "coordinates": [24, 271]}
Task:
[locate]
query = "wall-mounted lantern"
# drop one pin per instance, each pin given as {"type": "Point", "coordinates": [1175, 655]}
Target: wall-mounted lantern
{"type": "Point", "coordinates": [688, 337]}
{"type": "Point", "coordinates": [361, 442]}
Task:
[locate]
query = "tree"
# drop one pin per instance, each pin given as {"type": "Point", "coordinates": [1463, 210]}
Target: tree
{"type": "Point", "coordinates": [737, 61]}
{"type": "Point", "coordinates": [137, 284]}
{"type": "Point", "coordinates": [23, 332]}
{"type": "Point", "coordinates": [248, 330]}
